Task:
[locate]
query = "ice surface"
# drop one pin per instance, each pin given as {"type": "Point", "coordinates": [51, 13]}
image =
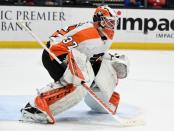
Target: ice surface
{"type": "Point", "coordinates": [149, 86]}
{"type": "Point", "coordinates": [11, 105]}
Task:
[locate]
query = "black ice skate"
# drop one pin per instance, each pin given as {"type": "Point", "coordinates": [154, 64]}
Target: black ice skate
{"type": "Point", "coordinates": [33, 114]}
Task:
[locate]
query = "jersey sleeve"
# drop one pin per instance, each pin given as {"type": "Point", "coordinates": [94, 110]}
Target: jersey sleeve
{"type": "Point", "coordinates": [58, 49]}
{"type": "Point", "coordinates": [63, 31]}
{"type": "Point", "coordinates": [61, 48]}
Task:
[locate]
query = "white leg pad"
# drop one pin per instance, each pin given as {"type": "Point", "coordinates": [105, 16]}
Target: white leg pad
{"type": "Point", "coordinates": [106, 81]}
{"type": "Point", "coordinates": [68, 101]}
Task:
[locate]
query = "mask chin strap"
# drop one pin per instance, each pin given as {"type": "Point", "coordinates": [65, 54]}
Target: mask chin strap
{"type": "Point", "coordinates": [102, 34]}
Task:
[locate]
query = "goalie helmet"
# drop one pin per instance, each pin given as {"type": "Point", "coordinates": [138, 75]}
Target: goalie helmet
{"type": "Point", "coordinates": [105, 17]}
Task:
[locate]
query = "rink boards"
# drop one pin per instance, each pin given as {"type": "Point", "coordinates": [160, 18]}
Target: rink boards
{"type": "Point", "coordinates": [115, 45]}
{"type": "Point", "coordinates": [148, 29]}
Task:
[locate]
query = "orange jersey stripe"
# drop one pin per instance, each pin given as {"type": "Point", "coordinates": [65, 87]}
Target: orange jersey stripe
{"type": "Point", "coordinates": [71, 27]}
{"type": "Point", "coordinates": [62, 32]}
{"type": "Point", "coordinates": [86, 34]}
{"type": "Point", "coordinates": [55, 34]}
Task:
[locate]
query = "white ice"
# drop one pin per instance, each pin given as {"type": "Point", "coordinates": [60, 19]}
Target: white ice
{"type": "Point", "coordinates": [149, 85]}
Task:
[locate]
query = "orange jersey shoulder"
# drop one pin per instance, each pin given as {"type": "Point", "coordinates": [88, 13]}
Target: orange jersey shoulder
{"type": "Point", "coordinates": [62, 31]}
{"type": "Point", "coordinates": [74, 38]}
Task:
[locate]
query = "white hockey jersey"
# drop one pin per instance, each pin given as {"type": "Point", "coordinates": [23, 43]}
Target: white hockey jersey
{"type": "Point", "coordinates": [84, 37]}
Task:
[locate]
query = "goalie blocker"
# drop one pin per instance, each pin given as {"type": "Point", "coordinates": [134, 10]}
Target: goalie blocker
{"type": "Point", "coordinates": [68, 91]}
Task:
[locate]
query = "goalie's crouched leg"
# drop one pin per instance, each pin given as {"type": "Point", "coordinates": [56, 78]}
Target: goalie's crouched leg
{"type": "Point", "coordinates": [62, 94]}
{"type": "Point", "coordinates": [112, 102]}
{"type": "Point", "coordinates": [50, 103]}
{"type": "Point", "coordinates": [104, 87]}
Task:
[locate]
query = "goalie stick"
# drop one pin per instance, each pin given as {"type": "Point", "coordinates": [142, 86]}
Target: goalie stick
{"type": "Point", "coordinates": [122, 122]}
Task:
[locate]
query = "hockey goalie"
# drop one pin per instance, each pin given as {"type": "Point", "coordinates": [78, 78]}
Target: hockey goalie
{"type": "Point", "coordinates": [83, 51]}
